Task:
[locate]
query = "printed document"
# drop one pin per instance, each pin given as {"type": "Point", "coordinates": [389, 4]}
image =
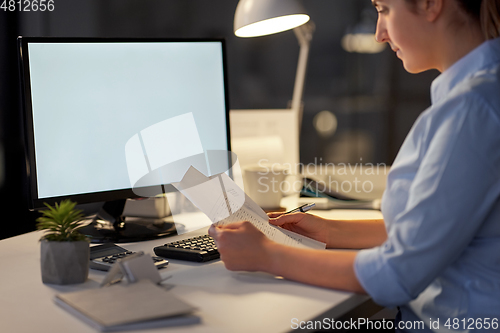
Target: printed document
{"type": "Point", "coordinates": [224, 202]}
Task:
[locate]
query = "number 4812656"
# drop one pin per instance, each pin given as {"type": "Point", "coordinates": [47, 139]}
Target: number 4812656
{"type": "Point", "coordinates": [471, 324]}
{"type": "Point", "coordinates": [27, 5]}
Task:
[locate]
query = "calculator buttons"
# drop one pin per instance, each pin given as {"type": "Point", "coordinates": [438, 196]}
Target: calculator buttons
{"type": "Point", "coordinates": [102, 257]}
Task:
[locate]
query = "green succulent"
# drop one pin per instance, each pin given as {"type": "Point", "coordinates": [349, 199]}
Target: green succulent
{"type": "Point", "coordinates": [61, 222]}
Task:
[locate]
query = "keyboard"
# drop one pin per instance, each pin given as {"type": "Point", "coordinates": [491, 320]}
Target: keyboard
{"type": "Point", "coordinates": [199, 249]}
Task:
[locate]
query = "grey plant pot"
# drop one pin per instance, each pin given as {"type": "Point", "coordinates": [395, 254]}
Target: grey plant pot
{"type": "Point", "coordinates": [64, 262]}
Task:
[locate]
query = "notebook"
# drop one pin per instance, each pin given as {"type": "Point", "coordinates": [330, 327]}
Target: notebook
{"type": "Point", "coordinates": [139, 305]}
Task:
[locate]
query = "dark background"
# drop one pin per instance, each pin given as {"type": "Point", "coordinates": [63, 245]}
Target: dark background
{"type": "Point", "coordinates": [373, 99]}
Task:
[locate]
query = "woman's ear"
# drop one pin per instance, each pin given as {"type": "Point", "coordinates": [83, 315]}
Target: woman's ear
{"type": "Point", "coordinates": [432, 8]}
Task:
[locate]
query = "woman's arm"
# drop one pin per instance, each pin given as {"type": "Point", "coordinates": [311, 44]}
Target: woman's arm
{"type": "Point", "coordinates": [331, 269]}
{"type": "Point", "coordinates": [244, 248]}
{"type": "Point", "coordinates": [345, 234]}
{"type": "Point", "coordinates": [357, 234]}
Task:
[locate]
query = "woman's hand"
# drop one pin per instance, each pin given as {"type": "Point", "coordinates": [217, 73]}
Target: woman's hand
{"type": "Point", "coordinates": [242, 246]}
{"type": "Point", "coordinates": [305, 224]}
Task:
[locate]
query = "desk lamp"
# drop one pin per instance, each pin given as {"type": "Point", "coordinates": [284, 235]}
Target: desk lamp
{"type": "Point", "coordinates": [255, 18]}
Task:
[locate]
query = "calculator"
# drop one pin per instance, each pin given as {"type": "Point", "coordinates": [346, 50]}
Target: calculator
{"type": "Point", "coordinates": [103, 256]}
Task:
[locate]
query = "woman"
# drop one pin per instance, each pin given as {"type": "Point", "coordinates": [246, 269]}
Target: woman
{"type": "Point", "coordinates": [436, 255]}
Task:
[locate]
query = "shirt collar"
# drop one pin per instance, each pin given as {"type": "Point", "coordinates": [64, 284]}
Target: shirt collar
{"type": "Point", "coordinates": [481, 57]}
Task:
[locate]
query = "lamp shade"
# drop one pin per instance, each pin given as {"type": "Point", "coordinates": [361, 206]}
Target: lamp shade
{"type": "Point", "coordinates": [264, 17]}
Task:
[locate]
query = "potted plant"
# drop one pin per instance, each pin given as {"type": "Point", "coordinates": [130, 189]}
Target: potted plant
{"type": "Point", "coordinates": [65, 253]}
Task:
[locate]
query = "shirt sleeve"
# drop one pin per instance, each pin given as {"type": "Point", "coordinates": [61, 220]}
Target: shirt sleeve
{"type": "Point", "coordinates": [454, 189]}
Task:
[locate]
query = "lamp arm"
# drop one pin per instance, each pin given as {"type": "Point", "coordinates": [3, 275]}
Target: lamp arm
{"type": "Point", "coordinates": [304, 35]}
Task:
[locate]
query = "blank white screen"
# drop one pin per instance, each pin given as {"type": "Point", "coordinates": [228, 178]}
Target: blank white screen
{"type": "Point", "coordinates": [89, 99]}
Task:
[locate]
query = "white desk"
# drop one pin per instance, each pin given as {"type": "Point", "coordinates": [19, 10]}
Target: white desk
{"type": "Point", "coordinates": [227, 301]}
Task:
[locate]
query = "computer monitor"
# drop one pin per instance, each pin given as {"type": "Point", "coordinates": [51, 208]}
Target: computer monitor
{"type": "Point", "coordinates": [107, 118]}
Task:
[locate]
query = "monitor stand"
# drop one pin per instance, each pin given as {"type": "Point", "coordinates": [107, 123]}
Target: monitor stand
{"type": "Point", "coordinates": [110, 226]}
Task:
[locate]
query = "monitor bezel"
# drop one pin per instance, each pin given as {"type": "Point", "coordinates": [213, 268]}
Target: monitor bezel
{"type": "Point", "coordinates": [34, 202]}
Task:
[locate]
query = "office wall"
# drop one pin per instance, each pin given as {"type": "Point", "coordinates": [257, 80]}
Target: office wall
{"type": "Point", "coordinates": [372, 98]}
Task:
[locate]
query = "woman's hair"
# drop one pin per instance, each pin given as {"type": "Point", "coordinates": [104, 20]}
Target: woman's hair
{"type": "Point", "coordinates": [487, 12]}
{"type": "Point", "coordinates": [490, 18]}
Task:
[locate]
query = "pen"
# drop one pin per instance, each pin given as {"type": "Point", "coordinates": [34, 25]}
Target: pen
{"type": "Point", "coordinates": [304, 208]}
